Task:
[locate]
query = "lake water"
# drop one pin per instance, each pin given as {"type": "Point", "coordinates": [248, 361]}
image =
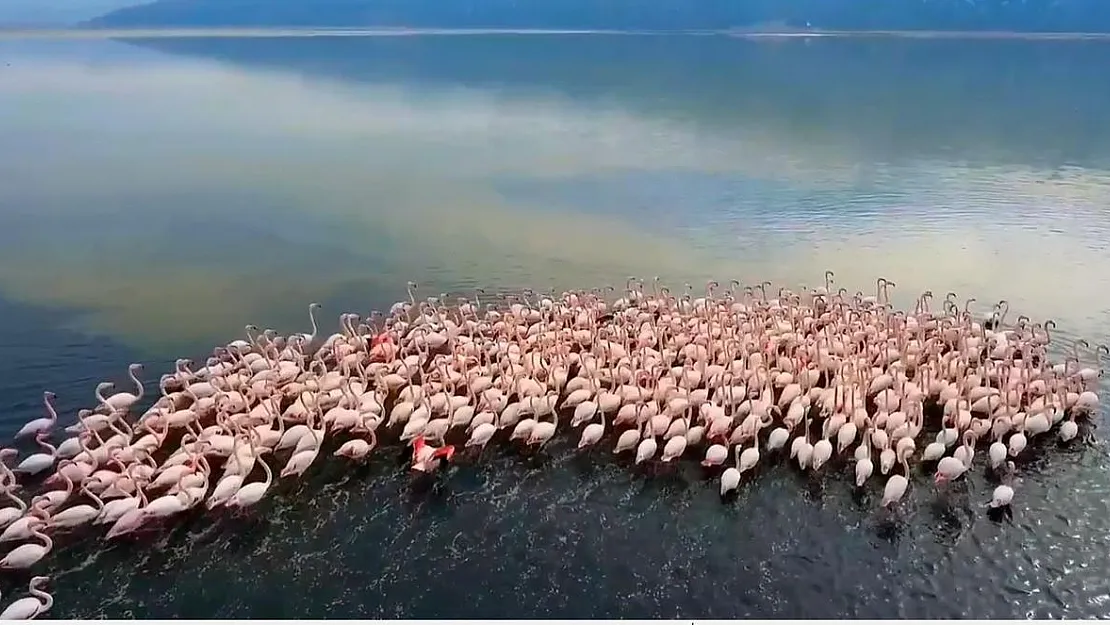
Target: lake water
{"type": "Point", "coordinates": [157, 195]}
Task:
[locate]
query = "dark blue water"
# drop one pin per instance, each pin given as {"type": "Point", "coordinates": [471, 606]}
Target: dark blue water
{"type": "Point", "coordinates": [159, 195]}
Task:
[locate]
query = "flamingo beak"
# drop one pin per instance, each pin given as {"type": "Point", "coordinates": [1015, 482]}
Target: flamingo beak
{"type": "Point", "coordinates": [939, 479]}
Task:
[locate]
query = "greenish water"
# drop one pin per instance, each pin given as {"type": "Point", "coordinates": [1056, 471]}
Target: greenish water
{"type": "Point", "coordinates": [156, 195]}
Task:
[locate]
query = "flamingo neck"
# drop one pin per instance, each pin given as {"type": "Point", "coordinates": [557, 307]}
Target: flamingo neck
{"type": "Point", "coordinates": [50, 408]}
{"type": "Point", "coordinates": [138, 384]}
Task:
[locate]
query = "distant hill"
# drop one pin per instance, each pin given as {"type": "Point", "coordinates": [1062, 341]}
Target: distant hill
{"type": "Point", "coordinates": [940, 15]}
{"type": "Point", "coordinates": [54, 13]}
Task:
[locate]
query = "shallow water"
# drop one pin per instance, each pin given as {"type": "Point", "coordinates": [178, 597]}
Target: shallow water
{"type": "Point", "coordinates": [157, 195]}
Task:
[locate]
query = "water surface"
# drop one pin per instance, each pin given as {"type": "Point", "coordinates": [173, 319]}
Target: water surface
{"type": "Point", "coordinates": [156, 195]}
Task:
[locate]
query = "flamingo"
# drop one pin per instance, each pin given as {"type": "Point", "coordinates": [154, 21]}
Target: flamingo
{"type": "Point", "coordinates": [1003, 494]}
{"type": "Point", "coordinates": [130, 521]}
{"type": "Point", "coordinates": [37, 463]}
{"type": "Point", "coordinates": [9, 514]}
{"type": "Point", "coordinates": [896, 484]}
{"type": "Point", "coordinates": [948, 469]}
{"type": "Point", "coordinates": [43, 425]}
{"type": "Point", "coordinates": [23, 527]}
{"type": "Point", "coordinates": [252, 493]}
{"type": "Point", "coordinates": [640, 367]}
{"type": "Point", "coordinates": [116, 509]}
{"type": "Point", "coordinates": [424, 455]}
{"type": "Point", "coordinates": [79, 514]}
{"type": "Point", "coordinates": [29, 607]}
{"type": "Point", "coordinates": [307, 339]}
{"type": "Point", "coordinates": [864, 467]}
{"type": "Point", "coordinates": [481, 435]}
{"type": "Point", "coordinates": [302, 458]}
{"type": "Point", "coordinates": [26, 556]}
{"type": "Point", "coordinates": [122, 402]}
{"type": "Point", "coordinates": [730, 479]}
{"type": "Point", "coordinates": [357, 448]}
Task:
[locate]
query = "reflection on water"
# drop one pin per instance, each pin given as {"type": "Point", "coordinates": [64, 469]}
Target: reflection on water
{"type": "Point", "coordinates": [820, 104]}
{"type": "Point", "coordinates": [171, 191]}
{"type": "Point", "coordinates": [201, 194]}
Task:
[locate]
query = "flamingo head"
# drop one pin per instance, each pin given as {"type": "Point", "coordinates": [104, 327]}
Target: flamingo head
{"type": "Point", "coordinates": [939, 478]}
{"type": "Point", "coordinates": [39, 580]}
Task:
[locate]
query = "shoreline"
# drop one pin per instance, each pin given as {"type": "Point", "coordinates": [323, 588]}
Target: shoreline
{"type": "Point", "coordinates": [185, 33]}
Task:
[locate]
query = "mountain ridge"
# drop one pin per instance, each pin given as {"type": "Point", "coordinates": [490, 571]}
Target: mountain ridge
{"type": "Point", "coordinates": [54, 13]}
{"type": "Point", "coordinates": [1048, 16]}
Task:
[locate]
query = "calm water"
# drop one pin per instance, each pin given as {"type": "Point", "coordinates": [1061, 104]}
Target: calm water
{"type": "Point", "coordinates": [157, 195]}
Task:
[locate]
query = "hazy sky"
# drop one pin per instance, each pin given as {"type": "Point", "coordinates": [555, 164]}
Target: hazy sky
{"type": "Point", "coordinates": [56, 12]}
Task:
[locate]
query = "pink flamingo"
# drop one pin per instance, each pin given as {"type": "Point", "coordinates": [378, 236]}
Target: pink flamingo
{"type": "Point", "coordinates": [45, 424]}
{"type": "Point", "coordinates": [424, 455]}
{"type": "Point", "coordinates": [26, 556]}
{"type": "Point", "coordinates": [357, 448]}
{"type": "Point", "coordinates": [29, 607]}
{"type": "Point", "coordinates": [122, 402]}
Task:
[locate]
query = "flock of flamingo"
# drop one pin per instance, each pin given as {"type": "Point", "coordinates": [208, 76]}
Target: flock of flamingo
{"type": "Point", "coordinates": [821, 378]}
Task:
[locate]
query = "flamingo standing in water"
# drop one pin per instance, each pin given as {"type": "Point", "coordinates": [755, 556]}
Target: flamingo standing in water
{"type": "Point", "coordinates": [309, 338]}
{"type": "Point", "coordinates": [122, 402]}
{"type": "Point", "coordinates": [645, 367]}
{"type": "Point", "coordinates": [424, 456]}
{"type": "Point", "coordinates": [358, 448]}
{"type": "Point", "coordinates": [730, 479]}
{"type": "Point", "coordinates": [948, 469]}
{"type": "Point", "coordinates": [29, 607]}
{"type": "Point", "coordinates": [1003, 494]}
{"type": "Point", "coordinates": [79, 514]}
{"type": "Point", "coordinates": [26, 556]}
{"type": "Point", "coordinates": [254, 492]}
{"type": "Point", "coordinates": [37, 463]}
{"type": "Point", "coordinates": [9, 514]}
{"type": "Point", "coordinates": [115, 509]}
{"type": "Point", "coordinates": [44, 424]}
{"type": "Point", "coordinates": [128, 522]}
{"type": "Point", "coordinates": [896, 484]}
{"type": "Point", "coordinates": [23, 527]}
